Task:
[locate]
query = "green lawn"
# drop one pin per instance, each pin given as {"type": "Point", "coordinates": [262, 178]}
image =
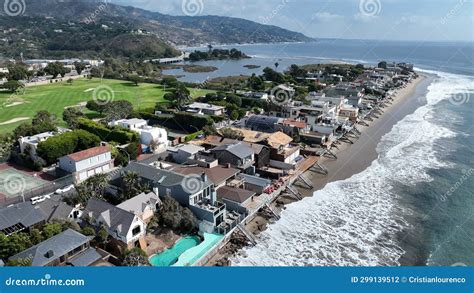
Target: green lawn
{"type": "Point", "coordinates": [56, 97]}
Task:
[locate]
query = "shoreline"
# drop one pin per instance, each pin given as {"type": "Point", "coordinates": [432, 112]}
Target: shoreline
{"type": "Point", "coordinates": [352, 159]}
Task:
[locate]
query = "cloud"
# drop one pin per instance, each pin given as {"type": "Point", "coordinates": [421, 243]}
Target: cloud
{"type": "Point", "coordinates": [326, 17]}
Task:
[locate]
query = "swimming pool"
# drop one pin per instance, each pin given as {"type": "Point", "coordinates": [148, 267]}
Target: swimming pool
{"type": "Point", "coordinates": [171, 255]}
{"type": "Point", "coordinates": [190, 256]}
{"type": "Point", "coordinates": [186, 251]}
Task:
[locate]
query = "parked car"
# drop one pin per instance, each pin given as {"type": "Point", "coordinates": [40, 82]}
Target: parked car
{"type": "Point", "coordinates": [64, 190]}
{"type": "Point", "coordinates": [38, 199]}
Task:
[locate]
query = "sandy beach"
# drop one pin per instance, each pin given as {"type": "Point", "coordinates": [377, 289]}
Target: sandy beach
{"type": "Point", "coordinates": [352, 159]}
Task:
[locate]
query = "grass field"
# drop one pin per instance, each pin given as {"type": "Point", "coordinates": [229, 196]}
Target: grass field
{"type": "Point", "coordinates": [55, 97]}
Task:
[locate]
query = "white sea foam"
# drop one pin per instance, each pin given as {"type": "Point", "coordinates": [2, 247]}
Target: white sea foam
{"type": "Point", "coordinates": [354, 222]}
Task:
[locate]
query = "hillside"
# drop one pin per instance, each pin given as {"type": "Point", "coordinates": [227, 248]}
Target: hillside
{"type": "Point", "coordinates": [53, 28]}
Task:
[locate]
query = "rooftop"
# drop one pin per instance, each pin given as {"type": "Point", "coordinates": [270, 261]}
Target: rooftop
{"type": "Point", "coordinates": [89, 153]}
{"type": "Point", "coordinates": [217, 175]}
{"type": "Point", "coordinates": [234, 194]}
{"type": "Point", "coordinates": [138, 203]}
{"type": "Point", "coordinates": [53, 248]}
{"type": "Point", "coordinates": [239, 150]}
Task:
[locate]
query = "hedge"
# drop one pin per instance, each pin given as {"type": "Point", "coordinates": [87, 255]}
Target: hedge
{"type": "Point", "coordinates": [67, 143]}
{"type": "Point", "coordinates": [105, 133]}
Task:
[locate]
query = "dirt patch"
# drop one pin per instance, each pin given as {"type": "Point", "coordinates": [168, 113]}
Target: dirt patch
{"type": "Point", "coordinates": [14, 120]}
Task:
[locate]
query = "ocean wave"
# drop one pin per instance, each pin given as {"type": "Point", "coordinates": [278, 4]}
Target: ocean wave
{"type": "Point", "coordinates": [355, 222]}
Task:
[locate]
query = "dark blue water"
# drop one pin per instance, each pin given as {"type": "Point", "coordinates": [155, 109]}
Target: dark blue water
{"type": "Point", "coordinates": [448, 57]}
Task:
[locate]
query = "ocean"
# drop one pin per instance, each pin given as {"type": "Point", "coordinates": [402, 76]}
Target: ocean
{"type": "Point", "coordinates": [414, 204]}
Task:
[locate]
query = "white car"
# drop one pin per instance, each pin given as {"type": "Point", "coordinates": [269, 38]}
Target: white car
{"type": "Point", "coordinates": [38, 199]}
{"type": "Point", "coordinates": [64, 190]}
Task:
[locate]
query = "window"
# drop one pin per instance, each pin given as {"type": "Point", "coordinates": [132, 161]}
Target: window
{"type": "Point", "coordinates": [136, 231]}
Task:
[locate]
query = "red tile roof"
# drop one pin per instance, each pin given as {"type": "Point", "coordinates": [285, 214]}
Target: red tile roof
{"type": "Point", "coordinates": [89, 153]}
{"type": "Point", "coordinates": [294, 123]}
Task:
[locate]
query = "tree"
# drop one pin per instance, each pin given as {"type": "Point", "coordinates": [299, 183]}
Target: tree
{"type": "Point", "coordinates": [102, 237]}
{"type": "Point", "coordinates": [133, 150]}
{"type": "Point", "coordinates": [71, 115]}
{"type": "Point", "coordinates": [70, 81]}
{"type": "Point", "coordinates": [13, 244]}
{"type": "Point", "coordinates": [36, 236]}
{"type": "Point", "coordinates": [256, 83]}
{"type": "Point", "coordinates": [295, 71]}
{"type": "Point", "coordinates": [276, 65]}
{"type": "Point", "coordinates": [94, 106]}
{"type": "Point", "coordinates": [6, 145]}
{"type": "Point", "coordinates": [79, 66]}
{"type": "Point", "coordinates": [135, 79]}
{"type": "Point", "coordinates": [132, 185]}
{"type": "Point", "coordinates": [135, 258]}
{"type": "Point", "coordinates": [88, 231]}
{"type": "Point", "coordinates": [52, 229]}
{"type": "Point", "coordinates": [117, 110]}
{"type": "Point", "coordinates": [43, 121]}
{"type": "Point", "coordinates": [172, 215]}
{"type": "Point", "coordinates": [17, 72]}
{"type": "Point", "coordinates": [13, 86]}
{"type": "Point", "coordinates": [94, 187]}
{"type": "Point", "coordinates": [234, 115]}
{"type": "Point", "coordinates": [271, 75]}
{"type": "Point", "coordinates": [67, 143]}
{"type": "Point", "coordinates": [56, 69]}
{"type": "Point", "coordinates": [180, 96]}
{"type": "Point", "coordinates": [382, 64]}
{"type": "Point", "coordinates": [231, 133]}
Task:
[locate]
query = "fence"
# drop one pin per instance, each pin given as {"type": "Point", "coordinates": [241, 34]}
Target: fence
{"type": "Point", "coordinates": [48, 188]}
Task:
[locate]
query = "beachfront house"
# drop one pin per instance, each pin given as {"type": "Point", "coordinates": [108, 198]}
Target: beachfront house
{"type": "Point", "coordinates": [197, 192]}
{"type": "Point", "coordinates": [143, 205]}
{"type": "Point", "coordinates": [125, 228]}
{"type": "Point", "coordinates": [85, 164]}
{"type": "Point", "coordinates": [238, 155]}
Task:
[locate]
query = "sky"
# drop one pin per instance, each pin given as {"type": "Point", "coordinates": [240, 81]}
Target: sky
{"type": "Point", "coordinates": [420, 20]}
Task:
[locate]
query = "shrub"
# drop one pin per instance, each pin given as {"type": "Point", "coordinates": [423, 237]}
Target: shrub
{"type": "Point", "coordinates": [67, 143]}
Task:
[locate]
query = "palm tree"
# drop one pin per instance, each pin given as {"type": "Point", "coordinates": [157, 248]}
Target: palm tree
{"type": "Point", "coordinates": [210, 48]}
{"type": "Point", "coordinates": [276, 65]}
{"type": "Point", "coordinates": [130, 181]}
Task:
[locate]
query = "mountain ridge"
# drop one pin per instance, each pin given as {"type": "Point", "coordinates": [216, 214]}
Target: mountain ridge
{"type": "Point", "coordinates": [91, 28]}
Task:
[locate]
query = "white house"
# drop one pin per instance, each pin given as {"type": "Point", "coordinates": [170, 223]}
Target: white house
{"type": "Point", "coordinates": [85, 164]}
{"type": "Point", "coordinates": [205, 109]}
{"type": "Point", "coordinates": [126, 228]}
{"type": "Point", "coordinates": [29, 144]}
{"type": "Point", "coordinates": [148, 134]}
